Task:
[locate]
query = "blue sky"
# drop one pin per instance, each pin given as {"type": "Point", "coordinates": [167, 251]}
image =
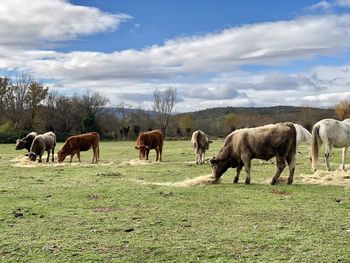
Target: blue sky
{"type": "Point", "coordinates": [215, 53]}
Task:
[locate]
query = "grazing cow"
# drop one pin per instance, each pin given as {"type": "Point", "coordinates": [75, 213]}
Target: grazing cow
{"type": "Point", "coordinates": [150, 140]}
{"type": "Point", "coordinates": [26, 142]}
{"type": "Point", "coordinates": [41, 143]}
{"type": "Point", "coordinates": [83, 142]}
{"type": "Point", "coordinates": [200, 143]}
{"type": "Point", "coordinates": [265, 142]}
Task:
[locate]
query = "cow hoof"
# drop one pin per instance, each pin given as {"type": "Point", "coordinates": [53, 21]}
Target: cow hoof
{"type": "Point", "coordinates": [273, 182]}
{"type": "Point", "coordinates": [247, 182]}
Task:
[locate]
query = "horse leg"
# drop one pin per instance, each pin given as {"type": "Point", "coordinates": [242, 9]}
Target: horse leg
{"type": "Point", "coordinates": [327, 154]}
{"type": "Point", "coordinates": [343, 157]}
{"type": "Point", "coordinates": [238, 171]}
{"type": "Point", "coordinates": [281, 163]}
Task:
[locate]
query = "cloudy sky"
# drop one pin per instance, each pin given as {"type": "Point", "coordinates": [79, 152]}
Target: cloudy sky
{"type": "Point", "coordinates": [215, 53]}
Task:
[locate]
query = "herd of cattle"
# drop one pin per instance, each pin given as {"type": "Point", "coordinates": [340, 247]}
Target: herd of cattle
{"type": "Point", "coordinates": [279, 140]}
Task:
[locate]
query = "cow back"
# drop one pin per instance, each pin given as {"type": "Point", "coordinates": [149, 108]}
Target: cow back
{"type": "Point", "coordinates": [151, 139]}
{"type": "Point", "coordinates": [82, 142]}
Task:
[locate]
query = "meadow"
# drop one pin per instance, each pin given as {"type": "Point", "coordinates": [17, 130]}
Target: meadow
{"type": "Point", "coordinates": [123, 210]}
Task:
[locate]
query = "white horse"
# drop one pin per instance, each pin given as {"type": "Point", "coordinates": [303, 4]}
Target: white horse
{"type": "Point", "coordinates": [303, 135]}
{"type": "Point", "coordinates": [332, 133]}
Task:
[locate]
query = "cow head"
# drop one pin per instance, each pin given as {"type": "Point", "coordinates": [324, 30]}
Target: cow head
{"type": "Point", "coordinates": [220, 166]}
{"type": "Point", "coordinates": [20, 144]}
{"type": "Point", "coordinates": [61, 156]}
{"type": "Point", "coordinates": [143, 149]}
{"type": "Point", "coordinates": [32, 156]}
{"type": "Point", "coordinates": [209, 142]}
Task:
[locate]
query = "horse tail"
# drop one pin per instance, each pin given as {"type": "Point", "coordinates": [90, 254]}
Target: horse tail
{"type": "Point", "coordinates": [315, 141]}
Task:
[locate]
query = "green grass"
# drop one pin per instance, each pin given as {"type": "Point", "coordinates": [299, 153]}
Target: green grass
{"type": "Point", "coordinates": [96, 213]}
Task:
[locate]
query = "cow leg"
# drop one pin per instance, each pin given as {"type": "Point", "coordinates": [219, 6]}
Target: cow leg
{"type": "Point", "coordinates": [147, 153]}
{"type": "Point", "coordinates": [247, 165]}
{"type": "Point", "coordinates": [40, 161]}
{"type": "Point", "coordinates": [71, 157]}
{"type": "Point", "coordinates": [48, 156]}
{"type": "Point", "coordinates": [157, 153]}
{"type": "Point", "coordinates": [238, 171]}
{"type": "Point", "coordinates": [291, 160]}
{"type": "Point", "coordinates": [78, 155]}
{"type": "Point", "coordinates": [281, 163]}
{"type": "Point", "coordinates": [343, 158]}
{"type": "Point", "coordinates": [53, 154]}
{"type": "Point", "coordinates": [327, 154]}
{"type": "Point", "coordinates": [94, 155]}
{"type": "Point", "coordinates": [203, 156]}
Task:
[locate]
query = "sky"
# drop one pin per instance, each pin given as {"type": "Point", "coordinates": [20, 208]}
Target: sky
{"type": "Point", "coordinates": [215, 53]}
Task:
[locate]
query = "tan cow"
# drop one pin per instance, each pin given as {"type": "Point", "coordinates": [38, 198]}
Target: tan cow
{"type": "Point", "coordinates": [200, 143]}
{"type": "Point", "coordinates": [241, 146]}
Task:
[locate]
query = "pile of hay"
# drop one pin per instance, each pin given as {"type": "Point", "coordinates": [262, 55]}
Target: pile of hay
{"type": "Point", "coordinates": [136, 162]}
{"type": "Point", "coordinates": [337, 177]}
{"type": "Point", "coordinates": [197, 181]}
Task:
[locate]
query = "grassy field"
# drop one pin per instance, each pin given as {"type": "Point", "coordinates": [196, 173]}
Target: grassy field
{"type": "Point", "coordinates": [116, 212]}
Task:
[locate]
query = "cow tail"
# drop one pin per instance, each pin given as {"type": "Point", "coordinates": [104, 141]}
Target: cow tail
{"type": "Point", "coordinates": [315, 141]}
{"type": "Point", "coordinates": [293, 149]}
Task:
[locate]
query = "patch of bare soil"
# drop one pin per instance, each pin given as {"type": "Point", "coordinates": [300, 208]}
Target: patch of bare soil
{"type": "Point", "coordinates": [336, 177]}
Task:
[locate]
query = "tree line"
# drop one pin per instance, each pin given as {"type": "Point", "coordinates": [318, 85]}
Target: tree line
{"type": "Point", "coordinates": [26, 105]}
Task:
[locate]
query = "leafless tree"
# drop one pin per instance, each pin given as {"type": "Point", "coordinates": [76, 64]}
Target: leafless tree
{"type": "Point", "coordinates": [164, 102]}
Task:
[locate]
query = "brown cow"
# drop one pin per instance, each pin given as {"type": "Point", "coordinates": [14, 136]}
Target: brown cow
{"type": "Point", "coordinates": [150, 140]}
{"type": "Point", "coordinates": [76, 144]}
{"type": "Point", "coordinates": [265, 142]}
{"type": "Point", "coordinates": [200, 143]}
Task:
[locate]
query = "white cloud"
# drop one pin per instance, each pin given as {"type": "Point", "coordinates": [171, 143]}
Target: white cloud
{"type": "Point", "coordinates": [34, 23]}
{"type": "Point", "coordinates": [344, 3]}
{"type": "Point", "coordinates": [131, 75]}
{"type": "Point", "coordinates": [321, 5]}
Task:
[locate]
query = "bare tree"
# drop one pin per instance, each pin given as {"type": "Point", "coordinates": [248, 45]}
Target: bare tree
{"type": "Point", "coordinates": [164, 102]}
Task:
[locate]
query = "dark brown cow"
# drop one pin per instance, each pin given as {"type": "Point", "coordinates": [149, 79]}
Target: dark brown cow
{"type": "Point", "coordinates": [265, 142]}
{"type": "Point", "coordinates": [150, 140]}
{"type": "Point", "coordinates": [76, 144]}
{"type": "Point", "coordinates": [26, 142]}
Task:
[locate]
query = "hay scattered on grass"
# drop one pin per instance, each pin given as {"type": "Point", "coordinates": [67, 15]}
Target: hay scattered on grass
{"type": "Point", "coordinates": [336, 177]}
{"type": "Point", "coordinates": [197, 181]}
{"type": "Point", "coordinates": [137, 162]}
{"type": "Point", "coordinates": [23, 161]}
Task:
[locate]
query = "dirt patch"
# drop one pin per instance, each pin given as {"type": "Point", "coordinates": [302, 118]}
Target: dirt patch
{"type": "Point", "coordinates": [337, 177]}
{"type": "Point", "coordinates": [197, 181]}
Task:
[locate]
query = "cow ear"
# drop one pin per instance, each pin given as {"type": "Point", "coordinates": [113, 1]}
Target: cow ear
{"type": "Point", "coordinates": [213, 160]}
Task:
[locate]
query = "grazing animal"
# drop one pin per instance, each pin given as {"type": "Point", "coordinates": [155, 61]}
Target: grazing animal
{"type": "Point", "coordinates": [179, 133]}
{"type": "Point", "coordinates": [200, 143]}
{"type": "Point", "coordinates": [147, 141]}
{"type": "Point", "coordinates": [41, 143]}
{"type": "Point", "coordinates": [83, 142]}
{"type": "Point", "coordinates": [332, 133]}
{"type": "Point", "coordinates": [265, 142]}
{"type": "Point", "coordinates": [26, 142]}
